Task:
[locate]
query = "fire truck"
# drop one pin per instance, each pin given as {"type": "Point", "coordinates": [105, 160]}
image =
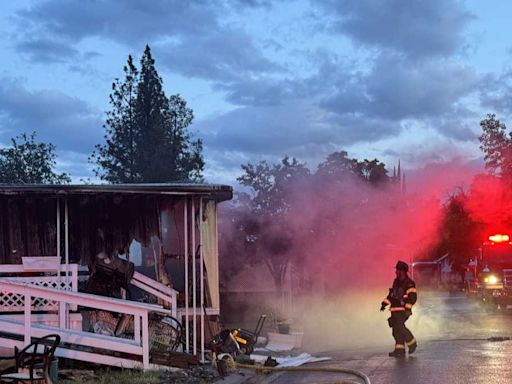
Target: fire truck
{"type": "Point", "coordinates": [489, 275]}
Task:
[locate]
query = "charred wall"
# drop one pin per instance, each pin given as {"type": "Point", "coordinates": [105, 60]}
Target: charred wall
{"type": "Point", "coordinates": [108, 223]}
{"type": "Point", "coordinates": [97, 223]}
{"type": "Point", "coordinates": [27, 228]}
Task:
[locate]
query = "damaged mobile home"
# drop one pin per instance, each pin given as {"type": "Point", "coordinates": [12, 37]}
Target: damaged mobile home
{"type": "Point", "coordinates": [105, 266]}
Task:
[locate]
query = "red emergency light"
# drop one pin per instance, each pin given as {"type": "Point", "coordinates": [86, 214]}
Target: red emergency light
{"type": "Point", "coordinates": [499, 238]}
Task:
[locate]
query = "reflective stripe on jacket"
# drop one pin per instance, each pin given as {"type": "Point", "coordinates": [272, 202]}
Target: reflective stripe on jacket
{"type": "Point", "coordinates": [402, 296]}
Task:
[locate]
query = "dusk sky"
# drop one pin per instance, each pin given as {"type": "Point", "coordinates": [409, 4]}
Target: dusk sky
{"type": "Point", "coordinates": [390, 79]}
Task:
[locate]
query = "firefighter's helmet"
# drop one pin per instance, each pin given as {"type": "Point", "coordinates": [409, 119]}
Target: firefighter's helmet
{"type": "Point", "coordinates": [401, 266]}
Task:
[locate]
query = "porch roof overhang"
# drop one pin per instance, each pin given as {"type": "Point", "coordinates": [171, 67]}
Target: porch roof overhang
{"type": "Point", "coordinates": [216, 192]}
{"type": "Point", "coordinates": [430, 262]}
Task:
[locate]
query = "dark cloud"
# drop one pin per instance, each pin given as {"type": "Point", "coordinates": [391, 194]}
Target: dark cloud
{"type": "Point", "coordinates": [259, 130]}
{"type": "Point", "coordinates": [129, 22]}
{"type": "Point", "coordinates": [219, 56]}
{"type": "Point", "coordinates": [416, 27]}
{"type": "Point", "coordinates": [458, 128]}
{"type": "Point", "coordinates": [272, 90]}
{"type": "Point", "coordinates": [47, 50]}
{"type": "Point", "coordinates": [292, 129]}
{"type": "Point", "coordinates": [340, 106]}
{"type": "Point", "coordinates": [391, 90]}
{"type": "Point", "coordinates": [496, 92]}
{"type": "Point", "coordinates": [91, 55]}
{"type": "Point", "coordinates": [189, 35]}
{"type": "Point", "coordinates": [258, 92]}
{"type": "Point", "coordinates": [66, 121]}
{"type": "Point", "coordinates": [251, 3]}
{"type": "Point", "coordinates": [331, 72]}
{"type": "Point", "coordinates": [397, 89]}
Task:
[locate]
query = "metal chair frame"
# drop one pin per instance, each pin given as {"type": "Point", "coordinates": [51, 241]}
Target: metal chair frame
{"type": "Point", "coordinates": [34, 359]}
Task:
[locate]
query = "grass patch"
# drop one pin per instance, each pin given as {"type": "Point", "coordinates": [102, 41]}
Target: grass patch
{"type": "Point", "coordinates": [123, 376]}
{"type": "Point", "coordinates": [197, 375]}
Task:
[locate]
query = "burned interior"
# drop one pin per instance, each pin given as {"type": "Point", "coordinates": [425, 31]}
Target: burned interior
{"type": "Point", "coordinates": [122, 238]}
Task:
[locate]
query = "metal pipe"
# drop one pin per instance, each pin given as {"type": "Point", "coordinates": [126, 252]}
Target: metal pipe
{"type": "Point", "coordinates": [194, 277]}
{"type": "Point", "coordinates": [185, 242]}
{"type": "Point", "coordinates": [216, 256]}
{"type": "Point", "coordinates": [58, 227]}
{"type": "Point", "coordinates": [201, 275]}
{"type": "Point", "coordinates": [66, 254]}
{"type": "Point", "coordinates": [27, 310]}
{"type": "Point", "coordinates": [66, 234]}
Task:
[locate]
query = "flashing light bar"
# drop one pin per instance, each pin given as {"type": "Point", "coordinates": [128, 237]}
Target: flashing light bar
{"type": "Point", "coordinates": [491, 280]}
{"type": "Point", "coordinates": [499, 238]}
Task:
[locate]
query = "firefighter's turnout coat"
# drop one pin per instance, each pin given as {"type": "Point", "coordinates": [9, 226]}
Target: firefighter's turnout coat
{"type": "Point", "coordinates": [402, 296]}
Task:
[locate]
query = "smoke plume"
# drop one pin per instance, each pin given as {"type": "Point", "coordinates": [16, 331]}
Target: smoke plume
{"type": "Point", "coordinates": [347, 235]}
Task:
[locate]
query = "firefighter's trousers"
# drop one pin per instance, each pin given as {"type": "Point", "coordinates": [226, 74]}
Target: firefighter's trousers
{"type": "Point", "coordinates": [401, 333]}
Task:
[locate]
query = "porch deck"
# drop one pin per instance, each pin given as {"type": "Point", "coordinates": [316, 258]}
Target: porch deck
{"type": "Point", "coordinates": [48, 304]}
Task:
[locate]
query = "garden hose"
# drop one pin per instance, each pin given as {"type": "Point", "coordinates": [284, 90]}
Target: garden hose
{"type": "Point", "coordinates": [359, 374]}
{"type": "Point", "coordinates": [234, 365]}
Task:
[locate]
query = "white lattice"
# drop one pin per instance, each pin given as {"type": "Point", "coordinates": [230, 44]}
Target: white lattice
{"type": "Point", "coordinates": [12, 302]}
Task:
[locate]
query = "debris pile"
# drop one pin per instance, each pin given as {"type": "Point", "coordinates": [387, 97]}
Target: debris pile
{"type": "Point", "coordinates": [198, 375]}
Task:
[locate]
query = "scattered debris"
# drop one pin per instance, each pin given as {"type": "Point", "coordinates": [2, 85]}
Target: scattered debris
{"type": "Point", "coordinates": [198, 375]}
{"type": "Point", "coordinates": [237, 341]}
{"type": "Point", "coordinates": [498, 338]}
{"type": "Point", "coordinates": [270, 362]}
{"type": "Point", "coordinates": [174, 359]}
{"type": "Point", "coordinates": [284, 342]}
{"type": "Point", "coordinates": [290, 361]}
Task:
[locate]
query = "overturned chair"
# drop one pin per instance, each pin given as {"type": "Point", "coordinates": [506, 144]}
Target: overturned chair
{"type": "Point", "coordinates": [32, 363]}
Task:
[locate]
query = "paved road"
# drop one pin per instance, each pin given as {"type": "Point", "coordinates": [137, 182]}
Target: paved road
{"type": "Point", "coordinates": [458, 353]}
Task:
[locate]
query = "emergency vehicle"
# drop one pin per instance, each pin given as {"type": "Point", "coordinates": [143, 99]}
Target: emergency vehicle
{"type": "Point", "coordinates": [489, 275]}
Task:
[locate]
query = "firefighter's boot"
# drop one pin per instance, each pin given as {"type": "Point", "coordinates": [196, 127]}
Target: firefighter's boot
{"type": "Point", "coordinates": [398, 352]}
{"type": "Point", "coordinates": [412, 345]}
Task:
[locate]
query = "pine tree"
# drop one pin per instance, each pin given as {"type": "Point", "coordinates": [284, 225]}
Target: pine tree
{"type": "Point", "coordinates": [117, 157]}
{"type": "Point", "coordinates": [147, 137]}
{"type": "Point", "coordinates": [152, 111]}
{"type": "Point", "coordinates": [190, 163]}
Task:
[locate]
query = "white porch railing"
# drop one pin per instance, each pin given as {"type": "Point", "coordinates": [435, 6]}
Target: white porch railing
{"type": "Point", "coordinates": [59, 279]}
{"type": "Point", "coordinates": [59, 276]}
{"type": "Point", "coordinates": [157, 289]}
{"type": "Point", "coordinates": [139, 345]}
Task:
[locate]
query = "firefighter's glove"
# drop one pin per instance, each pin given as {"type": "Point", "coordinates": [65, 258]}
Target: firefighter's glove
{"type": "Point", "coordinates": [408, 313]}
{"type": "Point", "coordinates": [382, 307]}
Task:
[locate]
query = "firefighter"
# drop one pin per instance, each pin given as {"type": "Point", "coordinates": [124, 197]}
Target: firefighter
{"type": "Point", "coordinates": [401, 298]}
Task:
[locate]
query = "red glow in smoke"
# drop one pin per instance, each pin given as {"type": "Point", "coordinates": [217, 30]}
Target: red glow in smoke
{"type": "Point", "coordinates": [349, 234]}
{"type": "Point", "coordinates": [490, 203]}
